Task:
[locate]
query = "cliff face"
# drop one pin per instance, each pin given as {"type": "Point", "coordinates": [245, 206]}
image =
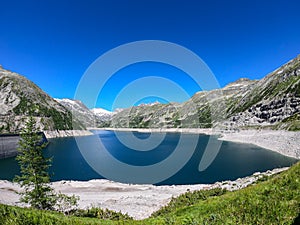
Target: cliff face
{"type": "Point", "coordinates": [272, 102]}
{"type": "Point", "coordinates": [21, 98]}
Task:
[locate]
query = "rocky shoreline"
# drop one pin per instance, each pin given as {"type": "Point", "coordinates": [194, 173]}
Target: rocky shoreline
{"type": "Point", "coordinates": [66, 133]}
{"type": "Point", "coordinates": [284, 142]}
{"type": "Point", "coordinates": [138, 201]}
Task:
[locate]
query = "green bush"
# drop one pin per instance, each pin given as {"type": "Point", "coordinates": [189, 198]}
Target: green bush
{"type": "Point", "coordinates": [104, 214]}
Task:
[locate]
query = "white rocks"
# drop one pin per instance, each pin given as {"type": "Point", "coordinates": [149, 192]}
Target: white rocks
{"type": "Point", "coordinates": [8, 99]}
{"type": "Point", "coordinates": [66, 133]}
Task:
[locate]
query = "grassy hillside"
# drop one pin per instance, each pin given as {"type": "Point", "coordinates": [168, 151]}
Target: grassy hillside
{"type": "Point", "coordinates": [273, 201]}
{"type": "Point", "coordinates": [276, 201]}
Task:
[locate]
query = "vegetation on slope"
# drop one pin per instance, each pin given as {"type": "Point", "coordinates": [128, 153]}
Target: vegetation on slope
{"type": "Point", "coordinates": [281, 83]}
{"type": "Point", "coordinates": [12, 215]}
{"type": "Point", "coordinates": [274, 201]}
{"type": "Point", "coordinates": [243, 103]}
{"type": "Point", "coordinates": [291, 123]}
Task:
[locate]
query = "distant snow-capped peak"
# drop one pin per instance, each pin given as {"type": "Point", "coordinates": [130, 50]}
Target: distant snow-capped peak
{"type": "Point", "coordinates": [67, 100]}
{"type": "Point", "coordinates": [100, 111]}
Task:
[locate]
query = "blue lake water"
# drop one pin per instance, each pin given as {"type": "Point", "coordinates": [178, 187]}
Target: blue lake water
{"type": "Point", "coordinates": [234, 160]}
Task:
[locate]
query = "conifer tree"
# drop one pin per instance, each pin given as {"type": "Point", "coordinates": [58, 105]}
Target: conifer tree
{"type": "Point", "coordinates": [34, 177]}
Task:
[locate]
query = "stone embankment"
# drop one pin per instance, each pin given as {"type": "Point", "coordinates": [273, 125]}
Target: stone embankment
{"type": "Point", "coordinates": [9, 142]}
{"type": "Point", "coordinates": [8, 145]}
{"type": "Point", "coordinates": [66, 133]}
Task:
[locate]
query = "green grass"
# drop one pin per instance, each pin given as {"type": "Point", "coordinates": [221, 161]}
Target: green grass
{"type": "Point", "coordinates": [274, 200]}
{"type": "Point", "coordinates": [188, 199]}
{"type": "Point", "coordinates": [11, 215]}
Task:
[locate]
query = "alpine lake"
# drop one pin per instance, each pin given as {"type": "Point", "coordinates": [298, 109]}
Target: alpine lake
{"type": "Point", "coordinates": [233, 160]}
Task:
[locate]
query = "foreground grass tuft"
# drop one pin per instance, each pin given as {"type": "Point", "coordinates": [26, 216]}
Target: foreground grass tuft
{"type": "Point", "coordinates": [12, 215]}
{"type": "Point", "coordinates": [188, 199]}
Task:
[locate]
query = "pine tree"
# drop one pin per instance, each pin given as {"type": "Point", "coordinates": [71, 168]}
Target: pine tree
{"type": "Point", "coordinates": [34, 177]}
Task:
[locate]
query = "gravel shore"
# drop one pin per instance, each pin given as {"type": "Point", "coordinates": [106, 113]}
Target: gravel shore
{"type": "Point", "coordinates": [284, 142]}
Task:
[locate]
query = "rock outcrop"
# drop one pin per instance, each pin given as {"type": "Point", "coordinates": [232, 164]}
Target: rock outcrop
{"type": "Point", "coordinates": [273, 101]}
{"type": "Point", "coordinates": [21, 98]}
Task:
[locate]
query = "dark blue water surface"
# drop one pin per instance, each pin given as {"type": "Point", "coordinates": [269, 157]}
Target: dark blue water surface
{"type": "Point", "coordinates": [234, 160]}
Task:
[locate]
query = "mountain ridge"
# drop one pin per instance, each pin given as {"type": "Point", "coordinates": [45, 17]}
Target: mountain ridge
{"type": "Point", "coordinates": [271, 102]}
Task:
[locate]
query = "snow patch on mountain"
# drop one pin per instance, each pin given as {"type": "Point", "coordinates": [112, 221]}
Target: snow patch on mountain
{"type": "Point", "coordinates": [102, 114]}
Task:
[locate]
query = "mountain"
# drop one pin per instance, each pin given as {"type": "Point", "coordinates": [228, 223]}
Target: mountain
{"type": "Point", "coordinates": [21, 98]}
{"type": "Point", "coordinates": [79, 111]}
{"type": "Point", "coordinates": [103, 114]}
{"type": "Point", "coordinates": [193, 113]}
{"type": "Point", "coordinates": [90, 118]}
{"type": "Point", "coordinates": [272, 102]}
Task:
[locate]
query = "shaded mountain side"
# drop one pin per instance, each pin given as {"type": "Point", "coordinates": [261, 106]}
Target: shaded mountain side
{"type": "Point", "coordinates": [21, 98]}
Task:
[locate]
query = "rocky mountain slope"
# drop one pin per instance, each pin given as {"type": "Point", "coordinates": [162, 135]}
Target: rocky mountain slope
{"type": "Point", "coordinates": [103, 114]}
{"type": "Point", "coordinates": [21, 98]}
{"type": "Point", "coordinates": [272, 102]}
{"type": "Point", "coordinates": [90, 118]}
{"type": "Point", "coordinates": [194, 113]}
{"type": "Point", "coordinates": [79, 111]}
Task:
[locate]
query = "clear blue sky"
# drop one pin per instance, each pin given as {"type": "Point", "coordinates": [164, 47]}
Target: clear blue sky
{"type": "Point", "coordinates": [53, 42]}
